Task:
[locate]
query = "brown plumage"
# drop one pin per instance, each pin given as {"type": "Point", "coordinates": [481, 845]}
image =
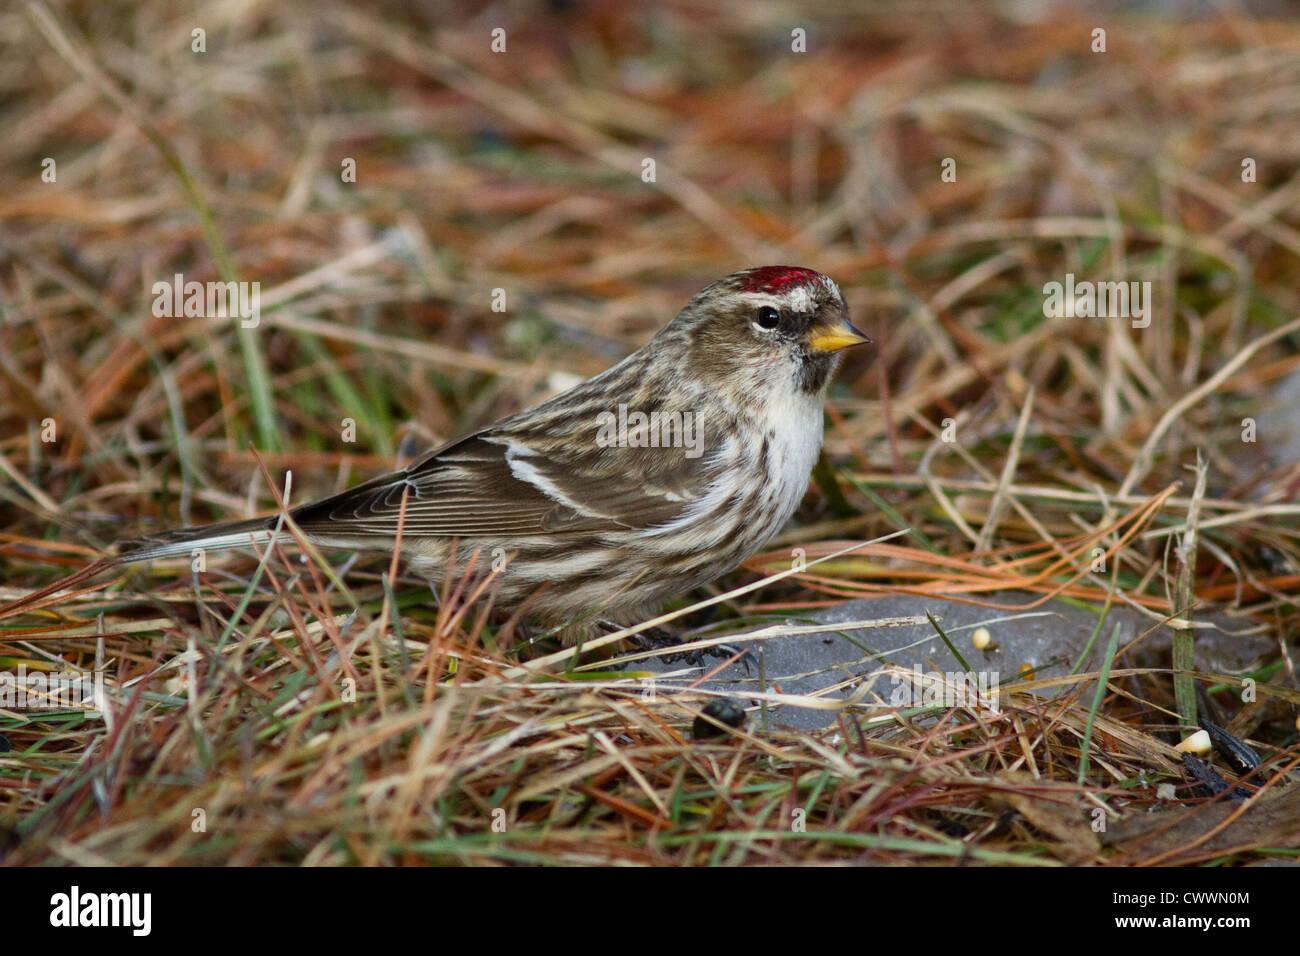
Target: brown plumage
{"type": "Point", "coordinates": [610, 512]}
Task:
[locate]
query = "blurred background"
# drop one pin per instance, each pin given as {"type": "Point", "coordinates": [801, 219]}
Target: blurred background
{"type": "Point", "coordinates": [382, 170]}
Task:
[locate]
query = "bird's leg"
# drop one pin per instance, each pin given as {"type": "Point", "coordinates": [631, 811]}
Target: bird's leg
{"type": "Point", "coordinates": [657, 638]}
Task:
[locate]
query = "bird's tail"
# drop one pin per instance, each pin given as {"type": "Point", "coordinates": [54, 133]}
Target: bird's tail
{"type": "Point", "coordinates": [208, 537]}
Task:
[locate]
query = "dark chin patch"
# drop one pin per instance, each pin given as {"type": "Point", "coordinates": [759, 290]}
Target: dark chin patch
{"type": "Point", "coordinates": [814, 372]}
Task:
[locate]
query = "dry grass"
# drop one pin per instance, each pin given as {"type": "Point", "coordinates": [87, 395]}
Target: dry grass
{"type": "Point", "coordinates": [307, 716]}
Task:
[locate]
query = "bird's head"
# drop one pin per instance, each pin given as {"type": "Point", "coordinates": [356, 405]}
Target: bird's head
{"type": "Point", "coordinates": [774, 330]}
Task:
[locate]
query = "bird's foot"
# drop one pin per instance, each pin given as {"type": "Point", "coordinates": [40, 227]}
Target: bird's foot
{"type": "Point", "coordinates": [658, 638]}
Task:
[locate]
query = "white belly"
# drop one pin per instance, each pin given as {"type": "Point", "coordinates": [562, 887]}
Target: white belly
{"type": "Point", "coordinates": [795, 441]}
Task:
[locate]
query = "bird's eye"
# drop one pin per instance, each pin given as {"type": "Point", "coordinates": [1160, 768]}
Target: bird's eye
{"type": "Point", "coordinates": [767, 318]}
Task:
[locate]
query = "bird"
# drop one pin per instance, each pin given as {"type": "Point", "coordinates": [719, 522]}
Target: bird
{"type": "Point", "coordinates": [654, 477]}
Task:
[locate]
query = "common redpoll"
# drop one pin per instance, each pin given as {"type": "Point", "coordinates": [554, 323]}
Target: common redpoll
{"type": "Point", "coordinates": [650, 479]}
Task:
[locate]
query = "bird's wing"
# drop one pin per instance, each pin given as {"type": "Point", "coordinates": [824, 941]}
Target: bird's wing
{"type": "Point", "coordinates": [495, 483]}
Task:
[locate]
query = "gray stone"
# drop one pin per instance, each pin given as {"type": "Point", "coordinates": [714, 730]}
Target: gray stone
{"type": "Point", "coordinates": [845, 649]}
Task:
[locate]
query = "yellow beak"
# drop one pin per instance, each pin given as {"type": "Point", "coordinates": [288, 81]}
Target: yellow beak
{"type": "Point", "coordinates": [832, 338]}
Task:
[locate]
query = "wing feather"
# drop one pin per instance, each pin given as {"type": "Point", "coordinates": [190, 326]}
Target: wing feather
{"type": "Point", "coordinates": [493, 483]}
